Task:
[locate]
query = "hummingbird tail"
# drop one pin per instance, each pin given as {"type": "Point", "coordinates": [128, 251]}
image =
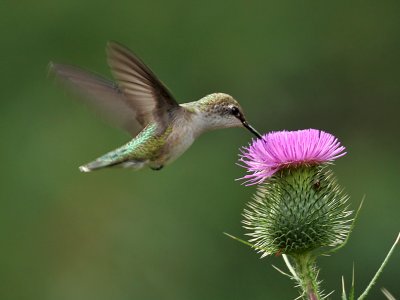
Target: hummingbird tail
{"type": "Point", "coordinates": [97, 164]}
{"type": "Point", "coordinates": [101, 163]}
{"type": "Point", "coordinates": [120, 157]}
{"type": "Point", "coordinates": [84, 169]}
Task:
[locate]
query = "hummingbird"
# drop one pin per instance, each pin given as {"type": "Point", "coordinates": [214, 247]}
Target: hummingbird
{"type": "Point", "coordinates": [141, 104]}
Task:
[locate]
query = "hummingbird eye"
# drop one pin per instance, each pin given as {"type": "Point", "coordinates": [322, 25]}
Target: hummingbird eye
{"type": "Point", "coordinates": [235, 111]}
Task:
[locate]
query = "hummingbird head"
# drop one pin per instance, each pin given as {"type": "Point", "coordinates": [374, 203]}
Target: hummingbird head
{"type": "Point", "coordinates": [221, 110]}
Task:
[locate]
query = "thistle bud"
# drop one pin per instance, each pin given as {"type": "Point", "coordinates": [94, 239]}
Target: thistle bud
{"type": "Point", "coordinates": [298, 206]}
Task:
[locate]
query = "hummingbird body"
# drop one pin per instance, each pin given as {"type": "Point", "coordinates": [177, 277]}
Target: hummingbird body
{"type": "Point", "coordinates": [142, 105]}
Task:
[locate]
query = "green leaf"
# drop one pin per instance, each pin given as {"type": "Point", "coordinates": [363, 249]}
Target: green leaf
{"type": "Point", "coordinates": [387, 294]}
{"type": "Point", "coordinates": [239, 240]}
{"type": "Point", "coordinates": [378, 273]}
{"type": "Point", "coordinates": [244, 242]}
{"type": "Point", "coordinates": [351, 297]}
{"type": "Point", "coordinates": [344, 296]}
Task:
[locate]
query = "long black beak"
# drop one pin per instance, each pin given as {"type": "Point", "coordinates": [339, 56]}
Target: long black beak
{"type": "Point", "coordinates": [251, 129]}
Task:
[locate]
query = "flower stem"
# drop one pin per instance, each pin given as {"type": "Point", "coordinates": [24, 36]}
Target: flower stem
{"type": "Point", "coordinates": [307, 274]}
{"type": "Point", "coordinates": [373, 281]}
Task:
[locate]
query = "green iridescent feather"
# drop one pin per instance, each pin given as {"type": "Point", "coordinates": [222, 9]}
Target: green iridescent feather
{"type": "Point", "coordinates": [145, 146]}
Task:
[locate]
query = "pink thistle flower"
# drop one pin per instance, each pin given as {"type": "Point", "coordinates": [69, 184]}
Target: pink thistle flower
{"type": "Point", "coordinates": [284, 149]}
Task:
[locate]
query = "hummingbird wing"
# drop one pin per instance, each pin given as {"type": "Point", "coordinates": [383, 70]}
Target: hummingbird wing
{"type": "Point", "coordinates": [145, 92]}
{"type": "Point", "coordinates": [102, 94]}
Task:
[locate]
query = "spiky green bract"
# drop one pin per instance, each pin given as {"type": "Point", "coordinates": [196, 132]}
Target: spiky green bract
{"type": "Point", "coordinates": [296, 211]}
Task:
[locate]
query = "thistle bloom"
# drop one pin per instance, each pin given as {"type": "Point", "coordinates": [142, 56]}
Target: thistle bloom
{"type": "Point", "coordinates": [284, 149]}
{"type": "Point", "coordinates": [300, 207]}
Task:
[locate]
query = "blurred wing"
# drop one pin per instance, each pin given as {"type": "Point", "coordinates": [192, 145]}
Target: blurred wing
{"type": "Point", "coordinates": [102, 94]}
{"type": "Point", "coordinates": [145, 92]}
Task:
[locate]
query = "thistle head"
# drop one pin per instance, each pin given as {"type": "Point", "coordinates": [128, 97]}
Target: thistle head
{"type": "Point", "coordinates": [221, 110]}
{"type": "Point", "coordinates": [288, 149]}
{"type": "Point", "coordinates": [298, 206]}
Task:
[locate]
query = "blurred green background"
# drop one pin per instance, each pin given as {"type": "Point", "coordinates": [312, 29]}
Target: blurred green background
{"type": "Point", "coordinates": [119, 234]}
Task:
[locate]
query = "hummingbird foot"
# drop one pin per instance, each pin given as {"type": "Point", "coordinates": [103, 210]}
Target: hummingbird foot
{"type": "Point", "coordinates": [158, 168]}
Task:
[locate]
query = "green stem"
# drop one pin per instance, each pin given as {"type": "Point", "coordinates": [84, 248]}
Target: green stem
{"type": "Point", "coordinates": [375, 278]}
{"type": "Point", "coordinates": [307, 275]}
